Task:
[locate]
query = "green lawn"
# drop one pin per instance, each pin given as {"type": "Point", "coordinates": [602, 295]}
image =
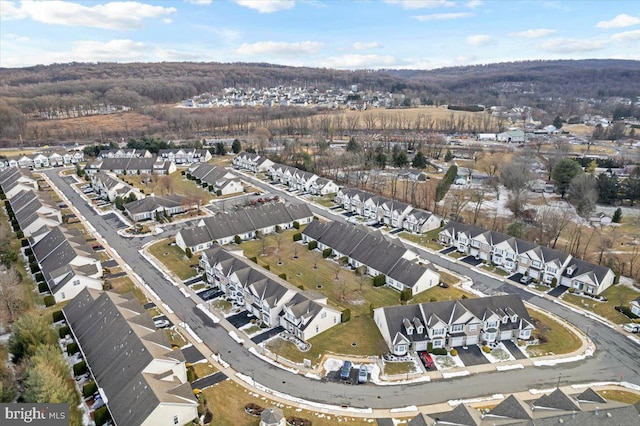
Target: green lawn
{"type": "Point", "coordinates": [617, 295]}
{"type": "Point", "coordinates": [174, 259]}
{"type": "Point", "coordinates": [559, 339]}
{"type": "Point", "coordinates": [426, 240]}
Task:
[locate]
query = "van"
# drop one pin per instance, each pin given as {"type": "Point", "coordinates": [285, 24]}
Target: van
{"type": "Point", "coordinates": [346, 370]}
{"type": "Point", "coordinates": [363, 375]}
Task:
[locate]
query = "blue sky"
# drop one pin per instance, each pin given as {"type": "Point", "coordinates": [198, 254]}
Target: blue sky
{"type": "Point", "coordinates": [344, 34]}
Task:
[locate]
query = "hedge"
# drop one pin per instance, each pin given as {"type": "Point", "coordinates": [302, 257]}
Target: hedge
{"type": "Point", "coordinates": [327, 252]}
{"type": "Point", "coordinates": [439, 351]}
{"type": "Point", "coordinates": [312, 245]}
{"type": "Point", "coordinates": [79, 368]}
{"type": "Point", "coordinates": [34, 268]}
{"type": "Point", "coordinates": [297, 236]}
{"type": "Point", "coordinates": [72, 348]}
{"type": "Point", "coordinates": [63, 331]}
{"type": "Point", "coordinates": [40, 279]}
{"type": "Point", "coordinates": [28, 251]}
{"type": "Point", "coordinates": [346, 315]}
{"type": "Point", "coordinates": [379, 280]}
{"type": "Point", "coordinates": [49, 300]}
{"type": "Point", "coordinates": [101, 415]}
{"type": "Point", "coordinates": [57, 316]}
{"type": "Point", "coordinates": [25, 243]}
{"type": "Point", "coordinates": [89, 389]}
{"type": "Point", "coordinates": [296, 224]}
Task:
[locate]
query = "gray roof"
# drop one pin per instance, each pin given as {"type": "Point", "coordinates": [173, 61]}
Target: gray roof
{"type": "Point", "coordinates": [512, 408]}
{"type": "Point", "coordinates": [589, 395]}
{"type": "Point", "coordinates": [461, 415]}
{"type": "Point", "coordinates": [153, 203]}
{"type": "Point", "coordinates": [556, 400]}
{"type": "Point", "coordinates": [580, 267]}
{"type": "Point", "coordinates": [271, 416]}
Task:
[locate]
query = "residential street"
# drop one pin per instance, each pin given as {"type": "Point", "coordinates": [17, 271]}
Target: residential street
{"type": "Point", "coordinates": [616, 357]}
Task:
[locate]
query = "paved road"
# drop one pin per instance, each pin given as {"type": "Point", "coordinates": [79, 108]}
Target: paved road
{"type": "Point", "coordinates": [616, 357]}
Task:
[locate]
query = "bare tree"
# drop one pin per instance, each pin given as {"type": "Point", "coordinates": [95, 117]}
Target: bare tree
{"type": "Point", "coordinates": [551, 222]}
{"type": "Point", "coordinates": [458, 201]}
{"type": "Point", "coordinates": [12, 296]}
{"type": "Point", "coordinates": [515, 176]}
{"type": "Point", "coordinates": [478, 198]}
{"type": "Point", "coordinates": [583, 194]}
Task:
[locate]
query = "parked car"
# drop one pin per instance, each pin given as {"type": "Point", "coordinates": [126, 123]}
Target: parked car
{"type": "Point", "coordinates": [631, 328]}
{"type": "Point", "coordinates": [526, 280]}
{"type": "Point", "coordinates": [161, 323]}
{"type": "Point", "coordinates": [427, 360]}
{"type": "Point", "coordinates": [346, 370]}
{"type": "Point", "coordinates": [97, 404]}
{"type": "Point", "coordinates": [363, 374]}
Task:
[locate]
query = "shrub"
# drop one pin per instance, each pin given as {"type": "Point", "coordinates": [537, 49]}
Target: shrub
{"type": "Point", "coordinates": [101, 415]}
{"type": "Point", "coordinates": [254, 259]}
{"type": "Point", "coordinates": [616, 279]}
{"type": "Point", "coordinates": [297, 236]}
{"type": "Point", "coordinates": [49, 300]}
{"type": "Point", "coordinates": [57, 316]}
{"type": "Point", "coordinates": [301, 287]}
{"type": "Point", "coordinates": [189, 253]}
{"type": "Point", "coordinates": [296, 224]}
{"type": "Point", "coordinates": [63, 331]}
{"type": "Point", "coordinates": [327, 252]}
{"type": "Point", "coordinates": [25, 243]}
{"type": "Point", "coordinates": [34, 268]}
{"type": "Point", "coordinates": [89, 389]}
{"type": "Point", "coordinates": [267, 267]}
{"type": "Point", "coordinates": [346, 315]}
{"type": "Point", "coordinates": [379, 280]}
{"type": "Point", "coordinates": [283, 276]}
{"type": "Point", "coordinates": [278, 228]}
{"type": "Point", "coordinates": [439, 351]}
{"type": "Point", "coordinates": [42, 286]}
{"type": "Point", "coordinates": [453, 352]}
{"type": "Point", "coordinates": [312, 245]}
{"type": "Point", "coordinates": [371, 309]}
{"type": "Point", "coordinates": [406, 295]}
{"type": "Point", "coordinates": [298, 421]}
{"type": "Point", "coordinates": [554, 282]}
{"type": "Point", "coordinates": [72, 348]}
{"type": "Point", "coordinates": [433, 299]}
{"type": "Point", "coordinates": [253, 409]}
{"type": "Point", "coordinates": [79, 368]}
{"type": "Point", "coordinates": [219, 192]}
{"type": "Point", "coordinates": [486, 349]}
{"type": "Point", "coordinates": [572, 290]}
{"type": "Point", "coordinates": [237, 239]}
{"type": "Point", "coordinates": [191, 374]}
{"type": "Point", "coordinates": [20, 235]}
{"type": "Point", "coordinates": [429, 347]}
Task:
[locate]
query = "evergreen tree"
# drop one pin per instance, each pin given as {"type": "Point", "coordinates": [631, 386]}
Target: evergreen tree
{"type": "Point", "coordinates": [557, 122]}
{"type": "Point", "coordinates": [563, 172]}
{"type": "Point", "coordinates": [419, 161]}
{"type": "Point", "coordinates": [448, 156]}
{"type": "Point", "coordinates": [236, 146]}
{"type": "Point", "coordinates": [617, 216]}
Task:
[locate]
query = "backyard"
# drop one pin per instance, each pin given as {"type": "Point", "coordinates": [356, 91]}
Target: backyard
{"type": "Point", "coordinates": [174, 259]}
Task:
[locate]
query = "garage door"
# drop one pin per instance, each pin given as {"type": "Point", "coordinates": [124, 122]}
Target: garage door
{"type": "Point", "coordinates": [522, 269]}
{"type": "Point", "coordinates": [505, 335]}
{"type": "Point", "coordinates": [472, 340]}
{"type": "Point", "coordinates": [421, 346]}
{"type": "Point", "coordinates": [457, 341]}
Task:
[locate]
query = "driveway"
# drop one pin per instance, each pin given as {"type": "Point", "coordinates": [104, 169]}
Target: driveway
{"type": "Point", "coordinates": [211, 380]}
{"type": "Point", "coordinates": [472, 356]}
{"type": "Point", "coordinates": [267, 335]}
{"type": "Point", "coordinates": [471, 260]}
{"type": "Point", "coordinates": [448, 250]}
{"type": "Point", "coordinates": [240, 319]}
{"type": "Point", "coordinates": [111, 263]}
{"type": "Point", "coordinates": [194, 280]}
{"type": "Point", "coordinates": [516, 277]}
{"type": "Point", "coordinates": [192, 354]}
{"type": "Point", "coordinates": [513, 348]}
{"type": "Point", "coordinates": [558, 291]}
{"type": "Point", "coordinates": [209, 294]}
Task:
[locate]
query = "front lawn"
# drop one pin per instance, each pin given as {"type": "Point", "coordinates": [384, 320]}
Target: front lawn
{"type": "Point", "coordinates": [555, 338]}
{"type": "Point", "coordinates": [394, 368]}
{"type": "Point", "coordinates": [617, 295]}
{"type": "Point", "coordinates": [174, 259]}
{"type": "Point", "coordinates": [123, 285]}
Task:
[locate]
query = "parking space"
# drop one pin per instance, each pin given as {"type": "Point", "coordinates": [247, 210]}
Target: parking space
{"type": "Point", "coordinates": [149, 305]}
{"type": "Point", "coordinates": [513, 348]}
{"type": "Point", "coordinates": [558, 291]}
{"type": "Point", "coordinates": [471, 260]}
{"type": "Point", "coordinates": [192, 355]}
{"type": "Point", "coordinates": [114, 221]}
{"type": "Point", "coordinates": [209, 294]}
{"type": "Point", "coordinates": [516, 277]}
{"type": "Point", "coordinates": [267, 335]}
{"type": "Point", "coordinates": [334, 376]}
{"type": "Point", "coordinates": [240, 319]}
{"type": "Point", "coordinates": [396, 231]}
{"type": "Point", "coordinates": [448, 250]}
{"type": "Point", "coordinates": [161, 321]}
{"type": "Point", "coordinates": [472, 356]}
{"type": "Point", "coordinates": [111, 263]}
{"type": "Point", "coordinates": [194, 280]}
{"type": "Point", "coordinates": [210, 380]}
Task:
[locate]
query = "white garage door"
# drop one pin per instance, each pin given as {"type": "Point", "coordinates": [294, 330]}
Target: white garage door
{"type": "Point", "coordinates": [472, 340]}
{"type": "Point", "coordinates": [421, 346]}
{"type": "Point", "coordinates": [457, 341]}
{"type": "Point", "coordinates": [506, 335]}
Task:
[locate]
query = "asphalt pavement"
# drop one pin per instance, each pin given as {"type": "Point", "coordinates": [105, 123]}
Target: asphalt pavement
{"type": "Point", "coordinates": [616, 358]}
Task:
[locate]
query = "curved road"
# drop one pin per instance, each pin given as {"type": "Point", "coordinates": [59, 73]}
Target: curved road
{"type": "Point", "coordinates": [616, 358]}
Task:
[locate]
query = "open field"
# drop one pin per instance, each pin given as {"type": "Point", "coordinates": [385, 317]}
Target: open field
{"type": "Point", "coordinates": [617, 295]}
{"type": "Point", "coordinates": [426, 239]}
{"type": "Point", "coordinates": [177, 184]}
{"type": "Point", "coordinates": [173, 258]}
{"type": "Point", "coordinates": [559, 339]}
{"type": "Point", "coordinates": [227, 400]}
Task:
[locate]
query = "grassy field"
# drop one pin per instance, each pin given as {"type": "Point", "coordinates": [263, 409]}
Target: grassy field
{"type": "Point", "coordinates": [617, 295]}
{"type": "Point", "coordinates": [627, 397]}
{"type": "Point", "coordinates": [559, 339]}
{"type": "Point", "coordinates": [203, 369]}
{"type": "Point", "coordinates": [227, 400]}
{"type": "Point", "coordinates": [426, 240]}
{"type": "Point", "coordinates": [178, 185]}
{"type": "Point", "coordinates": [124, 285]}
{"type": "Point", "coordinates": [174, 259]}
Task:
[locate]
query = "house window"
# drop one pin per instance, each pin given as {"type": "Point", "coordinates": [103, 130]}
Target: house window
{"type": "Point", "coordinates": [175, 419]}
{"type": "Point", "coordinates": [323, 315]}
{"type": "Point", "coordinates": [455, 328]}
{"type": "Point", "coordinates": [473, 327]}
{"type": "Point", "coordinates": [492, 324]}
{"type": "Point", "coordinates": [525, 334]}
{"type": "Point", "coordinates": [536, 264]}
{"type": "Point", "coordinates": [438, 343]}
{"type": "Point", "coordinates": [437, 331]}
{"type": "Point", "coordinates": [76, 282]}
{"type": "Point", "coordinates": [505, 319]}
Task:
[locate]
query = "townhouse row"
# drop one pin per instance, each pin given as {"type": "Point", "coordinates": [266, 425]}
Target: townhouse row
{"type": "Point", "coordinates": [402, 269]}
{"type": "Point", "coordinates": [294, 178]}
{"type": "Point", "coordinates": [389, 212]}
{"type": "Point", "coordinates": [270, 299]}
{"type": "Point", "coordinates": [515, 255]}
{"type": "Point", "coordinates": [245, 223]}
{"type": "Point", "coordinates": [47, 158]}
{"type": "Point", "coordinates": [178, 156]}
{"type": "Point", "coordinates": [131, 166]}
{"type": "Point", "coordinates": [216, 179]}
{"type": "Point", "coordinates": [454, 323]}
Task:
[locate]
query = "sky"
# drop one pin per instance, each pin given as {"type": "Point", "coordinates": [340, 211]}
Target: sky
{"type": "Point", "coordinates": [342, 34]}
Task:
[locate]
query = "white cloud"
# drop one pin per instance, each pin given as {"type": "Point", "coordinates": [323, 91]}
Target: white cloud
{"type": "Point", "coordinates": [620, 21]}
{"type": "Point", "coordinates": [442, 16]}
{"type": "Point", "coordinates": [472, 4]}
{"type": "Point", "coordinates": [359, 61]}
{"type": "Point", "coordinates": [537, 33]}
{"type": "Point", "coordinates": [362, 46]}
{"type": "Point", "coordinates": [570, 45]}
{"type": "Point", "coordinates": [176, 55]}
{"type": "Point", "coordinates": [626, 36]}
{"type": "Point", "coordinates": [113, 50]}
{"type": "Point", "coordinates": [199, 2]}
{"type": "Point", "coordinates": [17, 37]}
{"type": "Point", "coordinates": [267, 6]}
{"type": "Point", "coordinates": [114, 15]}
{"type": "Point", "coordinates": [421, 4]}
{"type": "Point", "coordinates": [479, 40]}
{"type": "Point", "coordinates": [279, 48]}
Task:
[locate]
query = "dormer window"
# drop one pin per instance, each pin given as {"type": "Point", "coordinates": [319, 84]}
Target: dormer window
{"type": "Point", "coordinates": [505, 319]}
{"type": "Point", "coordinates": [514, 318]}
{"type": "Point", "coordinates": [571, 269]}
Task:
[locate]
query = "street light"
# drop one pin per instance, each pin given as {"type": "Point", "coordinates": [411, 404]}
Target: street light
{"type": "Point", "coordinates": [559, 377]}
{"type": "Point", "coordinates": [253, 379]}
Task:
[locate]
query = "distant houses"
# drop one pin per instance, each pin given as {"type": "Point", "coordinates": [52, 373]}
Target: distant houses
{"type": "Point", "coordinates": [455, 323]}
{"type": "Point", "coordinates": [215, 178]}
{"type": "Point", "coordinates": [43, 159]}
{"type": "Point", "coordinates": [150, 207]}
{"type": "Point", "coordinates": [512, 254]}
{"type": "Point", "coordinates": [182, 156]}
{"type": "Point", "coordinates": [252, 162]}
{"type": "Point", "coordinates": [131, 166]}
{"type": "Point", "coordinates": [399, 266]}
{"type": "Point", "coordinates": [141, 379]}
{"type": "Point", "coordinates": [243, 223]}
{"type": "Point", "coordinates": [273, 301]}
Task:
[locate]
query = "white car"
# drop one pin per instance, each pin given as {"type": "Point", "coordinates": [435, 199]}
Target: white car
{"type": "Point", "coordinates": [161, 323]}
{"type": "Point", "coordinates": [631, 328]}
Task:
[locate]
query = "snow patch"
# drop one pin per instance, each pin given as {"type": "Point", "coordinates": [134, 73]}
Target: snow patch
{"type": "Point", "coordinates": [552, 362]}
{"type": "Point", "coordinates": [235, 337]}
{"type": "Point", "coordinates": [509, 367]}
{"type": "Point", "coordinates": [455, 374]}
{"type": "Point", "coordinates": [404, 409]}
{"type": "Point", "coordinates": [272, 362]}
{"type": "Point", "coordinates": [455, 402]}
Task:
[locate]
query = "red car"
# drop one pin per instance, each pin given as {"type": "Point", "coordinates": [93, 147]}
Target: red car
{"type": "Point", "coordinates": [427, 360]}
